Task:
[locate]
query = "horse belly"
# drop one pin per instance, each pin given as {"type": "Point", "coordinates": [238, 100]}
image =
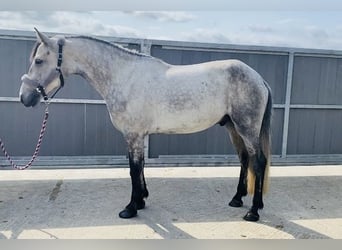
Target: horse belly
{"type": "Point", "coordinates": [189, 121]}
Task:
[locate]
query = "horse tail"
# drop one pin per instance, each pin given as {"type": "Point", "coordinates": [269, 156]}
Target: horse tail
{"type": "Point", "coordinates": [265, 144]}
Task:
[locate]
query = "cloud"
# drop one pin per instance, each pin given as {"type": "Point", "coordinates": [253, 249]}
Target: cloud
{"type": "Point", "coordinates": [63, 22]}
{"type": "Point", "coordinates": [85, 23]}
{"type": "Point", "coordinates": [164, 16]}
{"type": "Point", "coordinates": [307, 36]}
{"type": "Point", "coordinates": [290, 30]}
{"type": "Point", "coordinates": [206, 35]}
{"type": "Point", "coordinates": [315, 31]}
{"type": "Point", "coordinates": [17, 20]}
{"type": "Point", "coordinates": [260, 28]}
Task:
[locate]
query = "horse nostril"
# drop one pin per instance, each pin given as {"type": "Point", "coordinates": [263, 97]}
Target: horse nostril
{"type": "Point", "coordinates": [28, 101]}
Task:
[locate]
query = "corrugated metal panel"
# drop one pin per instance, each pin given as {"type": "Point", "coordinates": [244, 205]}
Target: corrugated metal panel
{"type": "Point", "coordinates": [73, 129]}
{"type": "Point", "coordinates": [20, 127]}
{"type": "Point", "coordinates": [317, 80]}
{"type": "Point", "coordinates": [315, 132]}
{"type": "Point", "coordinates": [101, 138]}
{"type": "Point", "coordinates": [14, 56]}
{"type": "Point", "coordinates": [277, 130]}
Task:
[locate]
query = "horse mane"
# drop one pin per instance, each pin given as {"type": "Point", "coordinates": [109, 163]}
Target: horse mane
{"type": "Point", "coordinates": [114, 45]}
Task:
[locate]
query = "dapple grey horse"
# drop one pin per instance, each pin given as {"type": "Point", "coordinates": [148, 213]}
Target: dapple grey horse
{"type": "Point", "coordinates": [145, 95]}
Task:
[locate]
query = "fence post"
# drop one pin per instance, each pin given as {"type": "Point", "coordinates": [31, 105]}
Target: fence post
{"type": "Point", "coordinates": [287, 104]}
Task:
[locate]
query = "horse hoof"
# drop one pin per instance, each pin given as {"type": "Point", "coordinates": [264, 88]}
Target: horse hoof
{"type": "Point", "coordinates": [236, 203]}
{"type": "Point", "coordinates": [141, 205]}
{"type": "Point", "coordinates": [128, 213]}
{"type": "Point", "coordinates": [251, 216]}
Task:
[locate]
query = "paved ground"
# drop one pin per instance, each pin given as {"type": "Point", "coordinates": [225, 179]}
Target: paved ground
{"type": "Point", "coordinates": [303, 202]}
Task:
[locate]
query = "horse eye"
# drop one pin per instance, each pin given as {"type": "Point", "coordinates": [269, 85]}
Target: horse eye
{"type": "Point", "coordinates": [38, 61]}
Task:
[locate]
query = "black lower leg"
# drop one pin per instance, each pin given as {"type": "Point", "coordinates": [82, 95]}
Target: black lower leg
{"type": "Point", "coordinates": [242, 186]}
{"type": "Point", "coordinates": [259, 170]}
{"type": "Point", "coordinates": [253, 214]}
{"type": "Point", "coordinates": [139, 190]}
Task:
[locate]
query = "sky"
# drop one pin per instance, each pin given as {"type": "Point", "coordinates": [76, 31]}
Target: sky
{"type": "Point", "coordinates": [321, 29]}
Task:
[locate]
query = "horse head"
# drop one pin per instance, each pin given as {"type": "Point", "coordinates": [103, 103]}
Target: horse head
{"type": "Point", "coordinates": [45, 73]}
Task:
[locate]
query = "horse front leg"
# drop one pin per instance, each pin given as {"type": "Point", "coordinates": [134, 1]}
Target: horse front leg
{"type": "Point", "coordinates": [136, 164]}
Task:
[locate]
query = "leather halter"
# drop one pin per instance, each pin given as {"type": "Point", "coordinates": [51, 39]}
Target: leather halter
{"type": "Point", "coordinates": [41, 89]}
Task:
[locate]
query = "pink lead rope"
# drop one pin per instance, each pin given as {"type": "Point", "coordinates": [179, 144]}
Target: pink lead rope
{"type": "Point", "coordinates": [36, 152]}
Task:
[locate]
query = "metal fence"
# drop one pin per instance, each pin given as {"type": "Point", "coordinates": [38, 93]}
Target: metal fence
{"type": "Point", "coordinates": [307, 120]}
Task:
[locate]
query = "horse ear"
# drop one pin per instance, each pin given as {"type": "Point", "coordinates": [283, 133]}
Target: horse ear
{"type": "Point", "coordinates": [42, 38]}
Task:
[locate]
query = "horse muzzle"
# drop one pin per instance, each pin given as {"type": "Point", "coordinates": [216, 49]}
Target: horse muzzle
{"type": "Point", "coordinates": [29, 95]}
{"type": "Point", "coordinates": [30, 99]}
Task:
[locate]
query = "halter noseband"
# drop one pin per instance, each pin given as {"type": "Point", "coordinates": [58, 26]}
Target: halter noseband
{"type": "Point", "coordinates": [41, 89]}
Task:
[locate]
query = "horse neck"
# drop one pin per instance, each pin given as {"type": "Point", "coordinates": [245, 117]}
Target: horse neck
{"type": "Point", "coordinates": [102, 65]}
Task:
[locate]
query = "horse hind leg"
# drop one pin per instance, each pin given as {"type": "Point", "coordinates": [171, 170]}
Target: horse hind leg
{"type": "Point", "coordinates": [257, 163]}
{"type": "Point", "coordinates": [244, 159]}
{"type": "Point", "coordinates": [256, 173]}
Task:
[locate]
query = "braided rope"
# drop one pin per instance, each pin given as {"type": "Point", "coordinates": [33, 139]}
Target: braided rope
{"type": "Point", "coordinates": [36, 152]}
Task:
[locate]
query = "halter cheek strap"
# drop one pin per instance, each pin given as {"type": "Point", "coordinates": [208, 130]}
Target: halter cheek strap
{"type": "Point", "coordinates": [58, 68]}
{"type": "Point", "coordinates": [41, 89]}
